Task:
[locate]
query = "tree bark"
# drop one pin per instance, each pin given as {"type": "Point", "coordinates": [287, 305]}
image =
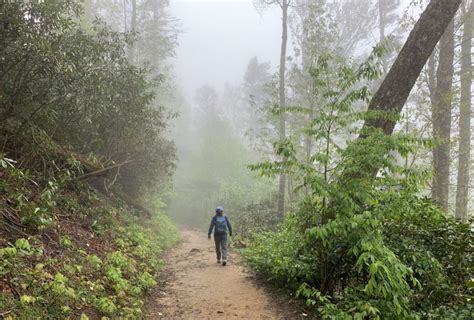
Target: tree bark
{"type": "Point", "coordinates": [464, 163]}
{"type": "Point", "coordinates": [441, 114]}
{"type": "Point", "coordinates": [431, 74]}
{"type": "Point", "coordinates": [382, 38]}
{"type": "Point", "coordinates": [282, 120]}
{"type": "Point", "coordinates": [133, 29]}
{"type": "Point", "coordinates": [125, 22]}
{"type": "Point", "coordinates": [394, 91]}
{"type": "Point", "coordinates": [381, 21]}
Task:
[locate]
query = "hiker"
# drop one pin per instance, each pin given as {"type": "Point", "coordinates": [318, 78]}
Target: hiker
{"type": "Point", "coordinates": [220, 223]}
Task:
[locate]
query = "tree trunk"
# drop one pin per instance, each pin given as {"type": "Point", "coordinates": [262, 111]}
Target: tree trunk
{"type": "Point", "coordinates": [87, 16]}
{"type": "Point", "coordinates": [125, 21]}
{"type": "Point", "coordinates": [431, 74]}
{"type": "Point", "coordinates": [381, 21]}
{"type": "Point", "coordinates": [382, 25]}
{"type": "Point", "coordinates": [282, 122]}
{"type": "Point", "coordinates": [309, 138]}
{"type": "Point", "coordinates": [133, 29]}
{"type": "Point", "coordinates": [394, 91]}
{"type": "Point", "coordinates": [441, 114]}
{"type": "Point", "coordinates": [462, 194]}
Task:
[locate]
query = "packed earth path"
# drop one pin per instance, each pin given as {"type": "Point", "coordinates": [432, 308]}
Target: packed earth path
{"type": "Point", "coordinates": [194, 286]}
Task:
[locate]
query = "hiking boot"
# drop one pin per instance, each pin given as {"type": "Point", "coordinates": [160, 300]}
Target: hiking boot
{"type": "Point", "coordinates": [218, 261]}
{"type": "Point", "coordinates": [224, 261]}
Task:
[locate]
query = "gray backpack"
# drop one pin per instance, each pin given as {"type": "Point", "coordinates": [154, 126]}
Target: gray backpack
{"type": "Point", "coordinates": [221, 225]}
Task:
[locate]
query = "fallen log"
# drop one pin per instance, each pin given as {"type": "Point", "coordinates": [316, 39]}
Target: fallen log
{"type": "Point", "coordinates": [103, 171]}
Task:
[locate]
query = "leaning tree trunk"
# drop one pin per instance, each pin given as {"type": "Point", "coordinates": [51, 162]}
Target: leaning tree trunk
{"type": "Point", "coordinates": [394, 91]}
{"type": "Point", "coordinates": [282, 120]}
{"type": "Point", "coordinates": [462, 194]}
{"type": "Point", "coordinates": [441, 115]}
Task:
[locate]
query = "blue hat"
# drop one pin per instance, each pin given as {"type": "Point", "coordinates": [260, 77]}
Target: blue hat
{"type": "Point", "coordinates": [219, 209]}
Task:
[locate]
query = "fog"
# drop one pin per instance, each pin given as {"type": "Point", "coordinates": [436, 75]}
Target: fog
{"type": "Point", "coordinates": [227, 123]}
{"type": "Point", "coordinates": [330, 141]}
{"type": "Point", "coordinates": [218, 38]}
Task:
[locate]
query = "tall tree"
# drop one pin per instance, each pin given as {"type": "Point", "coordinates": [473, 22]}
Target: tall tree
{"type": "Point", "coordinates": [394, 91]}
{"type": "Point", "coordinates": [154, 30]}
{"type": "Point", "coordinates": [313, 31]}
{"type": "Point", "coordinates": [206, 99]}
{"type": "Point", "coordinates": [386, 105]}
{"type": "Point", "coordinates": [441, 117]}
{"type": "Point", "coordinates": [387, 15]}
{"type": "Point", "coordinates": [256, 77]}
{"type": "Point", "coordinates": [354, 20]}
{"type": "Point", "coordinates": [284, 5]}
{"type": "Point", "coordinates": [256, 89]}
{"type": "Point", "coordinates": [464, 163]}
{"type": "Point", "coordinates": [133, 30]}
{"type": "Point", "coordinates": [87, 16]}
{"type": "Point", "coordinates": [125, 22]}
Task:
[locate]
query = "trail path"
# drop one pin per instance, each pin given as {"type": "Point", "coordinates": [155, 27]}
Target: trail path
{"type": "Point", "coordinates": [196, 287]}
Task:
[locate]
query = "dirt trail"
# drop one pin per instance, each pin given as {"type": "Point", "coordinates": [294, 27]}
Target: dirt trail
{"type": "Point", "coordinates": [196, 287]}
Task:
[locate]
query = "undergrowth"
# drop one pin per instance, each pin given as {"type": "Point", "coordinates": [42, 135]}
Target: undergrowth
{"type": "Point", "coordinates": [363, 243]}
{"type": "Point", "coordinates": [67, 251]}
{"type": "Point", "coordinates": [72, 104]}
{"type": "Point", "coordinates": [421, 250]}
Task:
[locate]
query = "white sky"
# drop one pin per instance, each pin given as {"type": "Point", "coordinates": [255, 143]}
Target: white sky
{"type": "Point", "coordinates": [219, 37]}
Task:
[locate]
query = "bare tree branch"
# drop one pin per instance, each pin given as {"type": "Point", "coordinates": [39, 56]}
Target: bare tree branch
{"type": "Point", "coordinates": [103, 171]}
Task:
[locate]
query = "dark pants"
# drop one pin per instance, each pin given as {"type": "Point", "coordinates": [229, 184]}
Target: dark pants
{"type": "Point", "coordinates": [221, 246]}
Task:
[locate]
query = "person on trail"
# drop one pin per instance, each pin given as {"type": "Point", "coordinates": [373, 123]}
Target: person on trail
{"type": "Point", "coordinates": [221, 224]}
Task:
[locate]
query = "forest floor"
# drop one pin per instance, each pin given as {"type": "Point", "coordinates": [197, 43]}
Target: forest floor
{"type": "Point", "coordinates": [194, 286]}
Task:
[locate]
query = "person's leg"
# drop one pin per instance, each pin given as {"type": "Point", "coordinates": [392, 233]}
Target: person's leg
{"type": "Point", "coordinates": [217, 242]}
{"type": "Point", "coordinates": [224, 249]}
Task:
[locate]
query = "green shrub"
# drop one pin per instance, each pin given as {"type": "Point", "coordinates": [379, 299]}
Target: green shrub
{"type": "Point", "coordinates": [114, 280]}
{"type": "Point", "coordinates": [363, 245]}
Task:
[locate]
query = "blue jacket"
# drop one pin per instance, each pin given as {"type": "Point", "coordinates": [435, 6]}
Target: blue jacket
{"type": "Point", "coordinates": [213, 224]}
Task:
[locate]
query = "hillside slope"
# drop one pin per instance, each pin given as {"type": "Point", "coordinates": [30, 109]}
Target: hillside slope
{"type": "Point", "coordinates": [67, 250]}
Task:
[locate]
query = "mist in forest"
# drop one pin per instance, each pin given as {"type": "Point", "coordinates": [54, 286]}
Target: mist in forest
{"type": "Point", "coordinates": [226, 68]}
{"type": "Point", "coordinates": [215, 45]}
{"type": "Point", "coordinates": [335, 135]}
{"type": "Point", "coordinates": [211, 58]}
